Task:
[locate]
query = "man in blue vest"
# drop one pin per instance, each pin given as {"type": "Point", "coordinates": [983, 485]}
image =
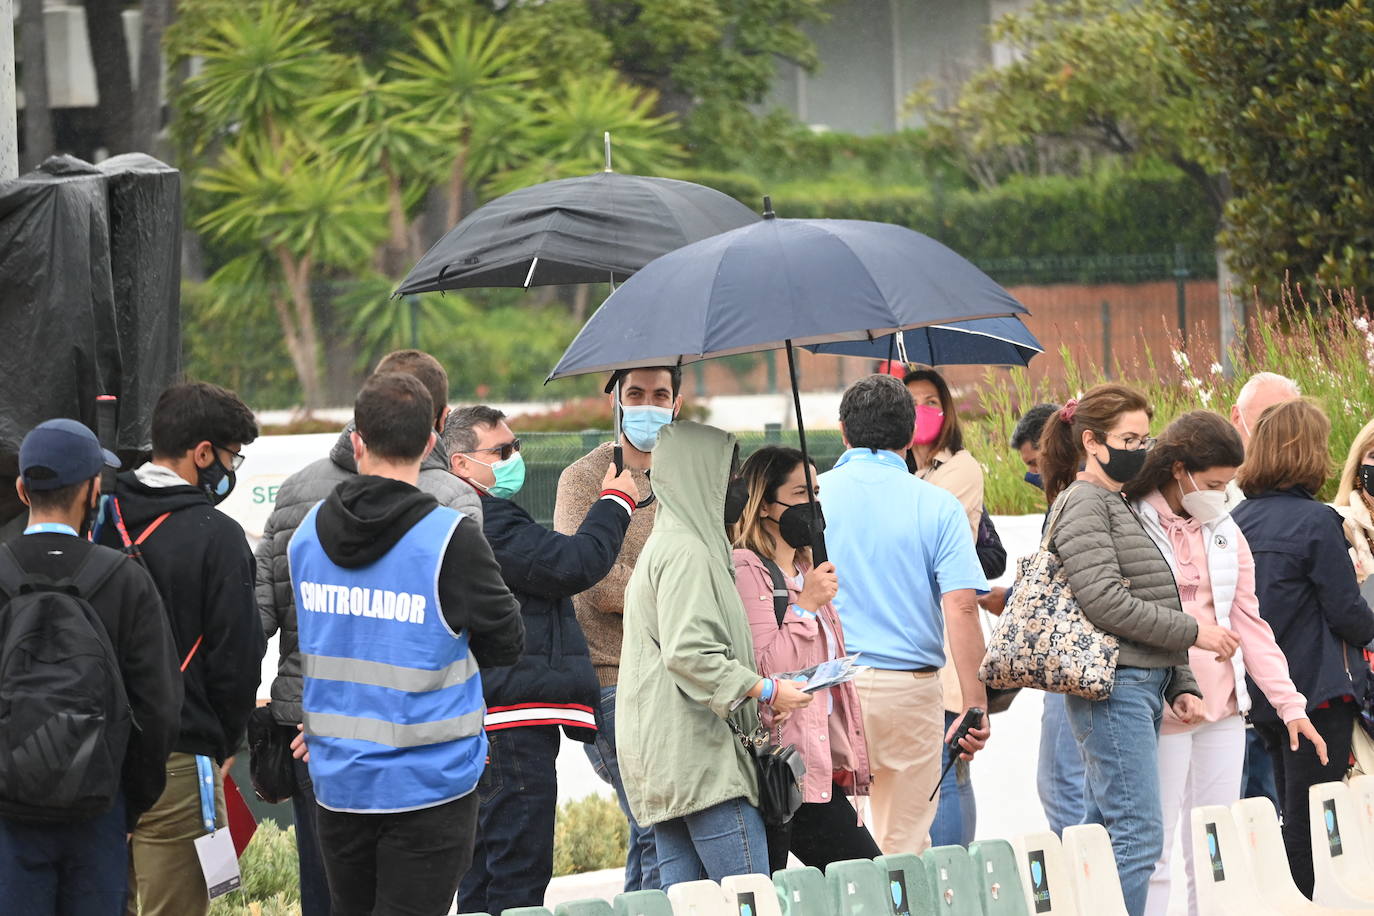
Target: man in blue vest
{"type": "Point", "coordinates": [398, 601]}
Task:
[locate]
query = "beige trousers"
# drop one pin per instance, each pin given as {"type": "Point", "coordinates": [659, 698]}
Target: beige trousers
{"type": "Point", "coordinates": [165, 878]}
{"type": "Point", "coordinates": [904, 723]}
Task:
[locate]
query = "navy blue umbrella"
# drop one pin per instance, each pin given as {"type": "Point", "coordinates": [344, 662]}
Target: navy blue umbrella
{"type": "Point", "coordinates": [777, 284]}
{"type": "Point", "coordinates": [980, 342]}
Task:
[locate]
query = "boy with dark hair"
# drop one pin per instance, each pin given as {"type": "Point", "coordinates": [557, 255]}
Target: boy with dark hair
{"type": "Point", "coordinates": [276, 605]}
{"type": "Point", "coordinates": [200, 561]}
{"type": "Point", "coordinates": [400, 600]}
{"type": "Point", "coordinates": [75, 861]}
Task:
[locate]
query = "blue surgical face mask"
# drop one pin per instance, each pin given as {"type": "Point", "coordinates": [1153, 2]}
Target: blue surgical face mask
{"type": "Point", "coordinates": [510, 476]}
{"type": "Point", "coordinates": [642, 423]}
{"type": "Point", "coordinates": [1035, 480]}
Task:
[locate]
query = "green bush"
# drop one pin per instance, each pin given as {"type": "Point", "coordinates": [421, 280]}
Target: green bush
{"type": "Point", "coordinates": [591, 834]}
{"type": "Point", "coordinates": [271, 876]}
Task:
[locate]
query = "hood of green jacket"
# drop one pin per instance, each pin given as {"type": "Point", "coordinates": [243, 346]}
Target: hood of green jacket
{"type": "Point", "coordinates": [692, 464]}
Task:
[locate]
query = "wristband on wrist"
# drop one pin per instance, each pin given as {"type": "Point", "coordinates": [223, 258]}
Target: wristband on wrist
{"type": "Point", "coordinates": [768, 691]}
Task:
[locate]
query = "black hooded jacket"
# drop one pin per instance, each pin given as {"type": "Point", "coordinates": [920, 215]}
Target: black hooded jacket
{"type": "Point", "coordinates": [200, 561]}
{"type": "Point", "coordinates": [364, 517]}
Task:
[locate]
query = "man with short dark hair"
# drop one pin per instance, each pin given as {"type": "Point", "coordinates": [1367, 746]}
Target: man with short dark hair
{"type": "Point", "coordinates": [553, 686]}
{"type": "Point", "coordinates": [905, 558]}
{"type": "Point", "coordinates": [80, 865]}
{"type": "Point", "coordinates": [649, 400]}
{"type": "Point", "coordinates": [200, 560]}
{"type": "Point", "coordinates": [295, 497]}
{"type": "Point", "coordinates": [399, 601]}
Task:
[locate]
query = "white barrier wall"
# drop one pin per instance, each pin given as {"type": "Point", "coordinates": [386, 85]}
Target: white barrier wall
{"type": "Point", "coordinates": [267, 462]}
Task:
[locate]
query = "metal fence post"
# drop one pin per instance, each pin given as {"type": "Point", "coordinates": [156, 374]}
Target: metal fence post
{"type": "Point", "coordinates": [1181, 289]}
{"type": "Point", "coordinates": [772, 433]}
{"type": "Point", "coordinates": [1107, 339]}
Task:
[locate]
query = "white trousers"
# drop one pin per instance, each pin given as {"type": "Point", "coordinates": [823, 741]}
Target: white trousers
{"type": "Point", "coordinates": [1202, 766]}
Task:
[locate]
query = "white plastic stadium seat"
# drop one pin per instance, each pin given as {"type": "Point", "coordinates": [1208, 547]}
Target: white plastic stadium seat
{"type": "Point", "coordinates": [699, 898]}
{"type": "Point", "coordinates": [1225, 884]}
{"type": "Point", "coordinates": [1088, 849]}
{"type": "Point", "coordinates": [1339, 862]}
{"type": "Point", "coordinates": [1045, 875]}
{"type": "Point", "coordinates": [1262, 841]}
{"type": "Point", "coordinates": [756, 892]}
{"type": "Point", "coordinates": [1362, 797]}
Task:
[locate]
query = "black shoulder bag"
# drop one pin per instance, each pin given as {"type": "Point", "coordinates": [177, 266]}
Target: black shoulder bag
{"type": "Point", "coordinates": [781, 769]}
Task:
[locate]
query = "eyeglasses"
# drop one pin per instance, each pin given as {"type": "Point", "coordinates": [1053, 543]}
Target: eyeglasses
{"type": "Point", "coordinates": [236, 459]}
{"type": "Point", "coordinates": [1133, 443]}
{"type": "Point", "coordinates": [503, 451]}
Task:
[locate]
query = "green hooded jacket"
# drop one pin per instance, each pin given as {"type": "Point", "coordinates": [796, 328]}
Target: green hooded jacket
{"type": "Point", "coordinates": [687, 654]}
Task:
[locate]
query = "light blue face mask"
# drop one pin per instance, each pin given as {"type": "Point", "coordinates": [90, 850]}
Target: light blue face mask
{"type": "Point", "coordinates": [510, 476]}
{"type": "Point", "coordinates": [642, 423]}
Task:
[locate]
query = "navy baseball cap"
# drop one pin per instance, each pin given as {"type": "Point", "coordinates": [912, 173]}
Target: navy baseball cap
{"type": "Point", "coordinates": [60, 453]}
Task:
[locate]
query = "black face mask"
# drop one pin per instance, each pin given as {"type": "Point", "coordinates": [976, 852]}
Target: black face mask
{"type": "Point", "coordinates": [217, 481]}
{"type": "Point", "coordinates": [88, 520]}
{"type": "Point", "coordinates": [736, 495]}
{"type": "Point", "coordinates": [1366, 479]}
{"type": "Point", "coordinates": [799, 524]}
{"type": "Point", "coordinates": [1122, 465]}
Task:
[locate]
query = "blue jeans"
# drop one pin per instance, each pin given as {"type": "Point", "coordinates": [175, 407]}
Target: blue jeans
{"type": "Point", "coordinates": [956, 816]}
{"type": "Point", "coordinates": [723, 840]}
{"type": "Point", "coordinates": [1120, 741]}
{"type": "Point", "coordinates": [314, 885]}
{"type": "Point", "coordinates": [641, 861]}
{"type": "Point", "coordinates": [76, 869]}
{"type": "Point", "coordinates": [512, 860]}
{"type": "Point", "coordinates": [1059, 778]}
{"type": "Point", "coordinates": [1258, 778]}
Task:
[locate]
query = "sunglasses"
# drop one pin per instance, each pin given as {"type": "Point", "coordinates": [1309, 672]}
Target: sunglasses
{"type": "Point", "coordinates": [503, 451]}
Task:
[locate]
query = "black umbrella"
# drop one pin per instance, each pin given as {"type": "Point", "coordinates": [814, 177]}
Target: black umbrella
{"type": "Point", "coordinates": [576, 230]}
{"type": "Point", "coordinates": [780, 283]}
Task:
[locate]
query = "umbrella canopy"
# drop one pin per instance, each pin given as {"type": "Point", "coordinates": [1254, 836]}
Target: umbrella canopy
{"type": "Point", "coordinates": [980, 342]}
{"type": "Point", "coordinates": [576, 230]}
{"type": "Point", "coordinates": [777, 282]}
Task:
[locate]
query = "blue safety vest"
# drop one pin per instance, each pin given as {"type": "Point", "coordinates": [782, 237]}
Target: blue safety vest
{"type": "Point", "coordinates": [392, 701]}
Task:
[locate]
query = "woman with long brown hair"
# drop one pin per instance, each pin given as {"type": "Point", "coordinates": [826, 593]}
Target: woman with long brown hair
{"type": "Point", "coordinates": [1180, 497]}
{"type": "Point", "coordinates": [1355, 503]}
{"type": "Point", "coordinates": [1309, 595]}
{"type": "Point", "coordinates": [793, 631]}
{"type": "Point", "coordinates": [1123, 585]}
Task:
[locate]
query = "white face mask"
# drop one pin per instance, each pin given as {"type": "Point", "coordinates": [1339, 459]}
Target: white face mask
{"type": "Point", "coordinates": [1204, 505]}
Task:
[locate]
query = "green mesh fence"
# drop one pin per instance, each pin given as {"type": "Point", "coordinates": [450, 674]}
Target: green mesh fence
{"type": "Point", "coordinates": [547, 454]}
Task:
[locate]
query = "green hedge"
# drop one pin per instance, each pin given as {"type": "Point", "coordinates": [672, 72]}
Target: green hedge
{"type": "Point", "coordinates": [1116, 226]}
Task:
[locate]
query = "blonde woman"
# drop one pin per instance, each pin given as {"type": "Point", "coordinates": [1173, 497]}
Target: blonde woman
{"type": "Point", "coordinates": [1355, 501]}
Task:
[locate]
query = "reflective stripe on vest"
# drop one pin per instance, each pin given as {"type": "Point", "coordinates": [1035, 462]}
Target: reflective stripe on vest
{"type": "Point", "coordinates": [392, 697]}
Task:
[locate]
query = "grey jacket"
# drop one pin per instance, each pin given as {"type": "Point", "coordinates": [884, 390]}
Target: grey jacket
{"type": "Point", "coordinates": [1123, 583]}
{"type": "Point", "coordinates": [297, 495]}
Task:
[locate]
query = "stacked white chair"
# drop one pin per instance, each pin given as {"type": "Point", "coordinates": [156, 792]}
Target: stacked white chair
{"type": "Point", "coordinates": [1262, 841]}
{"type": "Point", "coordinates": [752, 895]}
{"type": "Point", "coordinates": [700, 898]}
{"type": "Point", "coordinates": [1088, 849]}
{"type": "Point", "coordinates": [1226, 883]}
{"type": "Point", "coordinates": [1340, 863]}
{"type": "Point", "coordinates": [1362, 797]}
{"type": "Point", "coordinates": [1046, 876]}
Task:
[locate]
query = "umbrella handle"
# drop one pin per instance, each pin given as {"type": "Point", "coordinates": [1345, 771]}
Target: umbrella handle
{"type": "Point", "coordinates": [618, 456]}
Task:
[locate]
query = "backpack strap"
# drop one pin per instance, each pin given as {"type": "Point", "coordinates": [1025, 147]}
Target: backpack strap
{"type": "Point", "coordinates": [95, 570]}
{"type": "Point", "coordinates": [133, 547]}
{"type": "Point", "coordinates": [781, 594]}
{"type": "Point", "coordinates": [12, 576]}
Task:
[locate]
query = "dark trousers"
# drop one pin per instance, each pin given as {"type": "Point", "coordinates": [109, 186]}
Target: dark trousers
{"type": "Point", "coordinates": [512, 860]}
{"type": "Point", "coordinates": [405, 864]}
{"type": "Point", "coordinates": [821, 833]}
{"type": "Point", "coordinates": [1257, 780]}
{"type": "Point", "coordinates": [1297, 771]}
{"type": "Point", "coordinates": [76, 869]}
{"type": "Point", "coordinates": [314, 885]}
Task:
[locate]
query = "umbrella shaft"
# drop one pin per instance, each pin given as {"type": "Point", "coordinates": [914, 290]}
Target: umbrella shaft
{"type": "Point", "coordinates": [818, 553]}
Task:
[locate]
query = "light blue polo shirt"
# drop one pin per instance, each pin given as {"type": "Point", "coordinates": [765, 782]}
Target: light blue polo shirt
{"type": "Point", "coordinates": [898, 544]}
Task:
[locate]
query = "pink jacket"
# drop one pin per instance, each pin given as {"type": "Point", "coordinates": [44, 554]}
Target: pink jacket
{"type": "Point", "coordinates": [832, 745]}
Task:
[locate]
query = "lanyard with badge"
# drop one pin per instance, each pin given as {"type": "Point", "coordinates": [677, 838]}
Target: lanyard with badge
{"type": "Point", "coordinates": [218, 860]}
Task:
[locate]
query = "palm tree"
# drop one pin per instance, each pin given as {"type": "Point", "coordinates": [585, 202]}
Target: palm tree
{"type": "Point", "coordinates": [458, 75]}
{"type": "Point", "coordinates": [299, 211]}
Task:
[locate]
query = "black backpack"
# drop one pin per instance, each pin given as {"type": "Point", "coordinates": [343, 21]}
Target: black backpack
{"type": "Point", "coordinates": [64, 715]}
